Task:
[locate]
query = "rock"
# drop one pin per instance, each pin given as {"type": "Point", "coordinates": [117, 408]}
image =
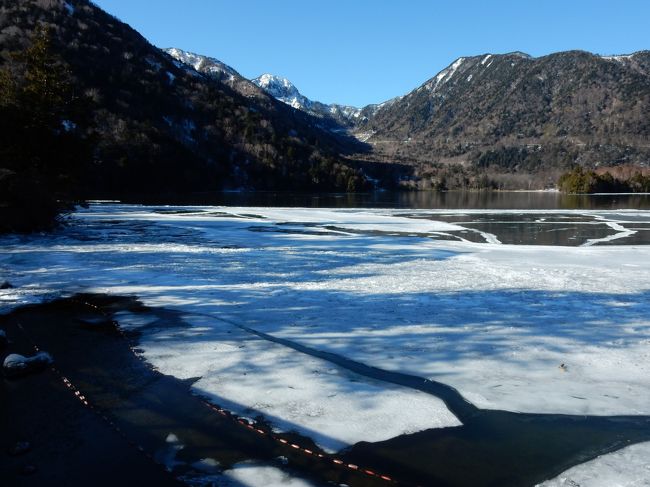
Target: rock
{"type": "Point", "coordinates": [96, 321]}
{"type": "Point", "coordinates": [29, 470]}
{"type": "Point", "coordinates": [20, 448]}
{"type": "Point", "coordinates": [16, 365]}
{"type": "Point", "coordinates": [6, 285]}
{"type": "Point", "coordinates": [3, 339]}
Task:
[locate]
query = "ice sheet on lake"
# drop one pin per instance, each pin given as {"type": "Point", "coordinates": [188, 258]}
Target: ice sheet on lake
{"type": "Point", "coordinates": [251, 376]}
{"type": "Point", "coordinates": [629, 467]}
{"type": "Point", "coordinates": [494, 321]}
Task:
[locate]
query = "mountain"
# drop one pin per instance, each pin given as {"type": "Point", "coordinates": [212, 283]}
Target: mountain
{"type": "Point", "coordinates": [159, 125]}
{"type": "Point", "coordinates": [173, 121]}
{"type": "Point", "coordinates": [512, 120]}
{"type": "Point", "coordinates": [215, 69]}
{"type": "Point", "coordinates": [344, 117]}
{"type": "Point", "coordinates": [512, 114]}
{"type": "Point", "coordinates": [331, 117]}
{"type": "Point", "coordinates": [282, 89]}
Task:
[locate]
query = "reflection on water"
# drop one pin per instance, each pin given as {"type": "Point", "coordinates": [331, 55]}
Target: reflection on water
{"type": "Point", "coordinates": [492, 447]}
{"type": "Point", "coordinates": [579, 228]}
{"type": "Point", "coordinates": [601, 223]}
{"type": "Point", "coordinates": [419, 199]}
{"type": "Point", "coordinates": [525, 228]}
{"type": "Point", "coordinates": [547, 229]}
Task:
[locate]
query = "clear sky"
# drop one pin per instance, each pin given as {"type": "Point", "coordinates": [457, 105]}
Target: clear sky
{"type": "Point", "coordinates": [358, 52]}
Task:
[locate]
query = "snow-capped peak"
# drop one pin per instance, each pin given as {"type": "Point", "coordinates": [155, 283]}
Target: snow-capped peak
{"type": "Point", "coordinates": [203, 64]}
{"type": "Point", "coordinates": [282, 89]}
{"type": "Point", "coordinates": [271, 81]}
{"type": "Point", "coordinates": [276, 86]}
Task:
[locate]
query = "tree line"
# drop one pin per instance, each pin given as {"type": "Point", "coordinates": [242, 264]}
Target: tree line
{"type": "Point", "coordinates": [583, 180]}
{"type": "Point", "coordinates": [41, 146]}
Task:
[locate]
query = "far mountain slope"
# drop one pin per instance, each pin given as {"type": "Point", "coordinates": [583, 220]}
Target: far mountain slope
{"type": "Point", "coordinates": [283, 90]}
{"type": "Point", "coordinates": [333, 117]}
{"type": "Point", "coordinates": [518, 119]}
{"type": "Point", "coordinates": [512, 113]}
{"type": "Point", "coordinates": [216, 70]}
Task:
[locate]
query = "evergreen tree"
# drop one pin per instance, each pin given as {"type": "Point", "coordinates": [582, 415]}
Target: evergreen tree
{"type": "Point", "coordinates": [41, 150]}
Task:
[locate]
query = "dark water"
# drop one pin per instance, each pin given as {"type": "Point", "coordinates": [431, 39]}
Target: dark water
{"type": "Point", "coordinates": [144, 404]}
{"type": "Point", "coordinates": [556, 229]}
{"type": "Point", "coordinates": [509, 228]}
{"type": "Point", "coordinates": [491, 448]}
{"type": "Point", "coordinates": [415, 200]}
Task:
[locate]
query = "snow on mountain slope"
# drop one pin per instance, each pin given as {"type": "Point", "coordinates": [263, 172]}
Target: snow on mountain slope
{"type": "Point", "coordinates": [215, 69]}
{"type": "Point", "coordinates": [203, 64]}
{"type": "Point", "coordinates": [335, 117]}
{"type": "Point", "coordinates": [285, 91]}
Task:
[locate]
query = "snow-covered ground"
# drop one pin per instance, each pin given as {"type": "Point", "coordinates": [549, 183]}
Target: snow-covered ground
{"type": "Point", "coordinates": [253, 475]}
{"type": "Point", "coordinates": [494, 321]}
{"type": "Point", "coordinates": [629, 467]}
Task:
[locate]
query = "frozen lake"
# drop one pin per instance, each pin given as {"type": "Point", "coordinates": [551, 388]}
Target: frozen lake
{"type": "Point", "coordinates": [541, 311]}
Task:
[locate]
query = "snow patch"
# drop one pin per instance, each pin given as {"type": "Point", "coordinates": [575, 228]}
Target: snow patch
{"type": "Point", "coordinates": [167, 456]}
{"type": "Point", "coordinates": [629, 467]}
{"type": "Point", "coordinates": [202, 64]}
{"type": "Point", "coordinates": [619, 58]}
{"type": "Point", "coordinates": [444, 76]}
{"type": "Point", "coordinates": [257, 475]}
{"type": "Point", "coordinates": [206, 465]}
{"type": "Point", "coordinates": [494, 321]}
{"type": "Point", "coordinates": [68, 125]}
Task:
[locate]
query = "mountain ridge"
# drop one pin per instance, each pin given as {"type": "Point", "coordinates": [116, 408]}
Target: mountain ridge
{"type": "Point", "coordinates": [521, 118]}
{"type": "Point", "coordinates": [512, 114]}
{"type": "Point", "coordinates": [334, 117]}
{"type": "Point", "coordinates": [178, 120]}
{"type": "Point", "coordinates": [160, 126]}
{"type": "Point", "coordinates": [283, 89]}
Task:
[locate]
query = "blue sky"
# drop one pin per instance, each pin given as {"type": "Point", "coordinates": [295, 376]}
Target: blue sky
{"type": "Point", "coordinates": [366, 51]}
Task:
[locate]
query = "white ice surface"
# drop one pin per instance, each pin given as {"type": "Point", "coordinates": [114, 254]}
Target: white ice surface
{"type": "Point", "coordinates": [629, 467]}
{"type": "Point", "coordinates": [256, 475]}
{"type": "Point", "coordinates": [495, 321]}
{"type": "Point", "coordinates": [249, 375]}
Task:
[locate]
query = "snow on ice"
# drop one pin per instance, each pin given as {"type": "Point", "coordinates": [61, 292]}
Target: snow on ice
{"type": "Point", "coordinates": [257, 475]}
{"type": "Point", "coordinates": [377, 286]}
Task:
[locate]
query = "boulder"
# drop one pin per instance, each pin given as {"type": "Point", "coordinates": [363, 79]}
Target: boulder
{"type": "Point", "coordinates": [16, 365]}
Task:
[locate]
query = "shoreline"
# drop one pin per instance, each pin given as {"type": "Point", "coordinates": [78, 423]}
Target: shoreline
{"type": "Point", "coordinates": [69, 444]}
{"type": "Point", "coordinates": [139, 426]}
{"type": "Point", "coordinates": [145, 438]}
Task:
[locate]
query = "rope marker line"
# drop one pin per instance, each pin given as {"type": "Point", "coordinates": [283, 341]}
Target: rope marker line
{"type": "Point", "coordinates": [243, 422]}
